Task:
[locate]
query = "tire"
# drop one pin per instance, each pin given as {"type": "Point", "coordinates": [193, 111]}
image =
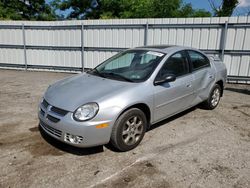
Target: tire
{"type": "Point", "coordinates": [214, 98]}
{"type": "Point", "coordinates": [129, 130]}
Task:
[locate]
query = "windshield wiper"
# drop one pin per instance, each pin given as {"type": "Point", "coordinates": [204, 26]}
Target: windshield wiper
{"type": "Point", "coordinates": [96, 72]}
{"type": "Point", "coordinates": [109, 74]}
{"type": "Point", "coordinates": [118, 76]}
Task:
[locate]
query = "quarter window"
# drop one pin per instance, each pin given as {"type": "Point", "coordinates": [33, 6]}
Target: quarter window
{"type": "Point", "coordinates": [177, 64]}
{"type": "Point", "coordinates": [198, 60]}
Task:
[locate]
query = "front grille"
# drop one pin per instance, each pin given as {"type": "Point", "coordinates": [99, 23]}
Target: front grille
{"type": "Point", "coordinates": [45, 103]}
{"type": "Point", "coordinates": [42, 112]}
{"type": "Point", "coordinates": [53, 119]}
{"type": "Point", "coordinates": [51, 130]}
{"type": "Point", "coordinates": [59, 111]}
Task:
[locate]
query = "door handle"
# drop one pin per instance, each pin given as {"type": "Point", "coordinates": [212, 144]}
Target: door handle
{"type": "Point", "coordinates": [211, 76]}
{"type": "Point", "coordinates": [189, 85]}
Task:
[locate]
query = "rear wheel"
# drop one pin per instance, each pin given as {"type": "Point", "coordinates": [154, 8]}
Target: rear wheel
{"type": "Point", "coordinates": [214, 98]}
{"type": "Point", "coordinates": [129, 130]}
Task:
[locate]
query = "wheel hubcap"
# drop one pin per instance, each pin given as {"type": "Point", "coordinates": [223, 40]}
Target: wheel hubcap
{"type": "Point", "coordinates": [215, 97]}
{"type": "Point", "coordinates": [132, 130]}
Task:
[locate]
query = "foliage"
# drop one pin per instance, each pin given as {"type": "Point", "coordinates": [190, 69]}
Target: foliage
{"type": "Point", "coordinates": [226, 7]}
{"type": "Point", "coordinates": [105, 9]}
{"type": "Point", "coordinates": [188, 11]}
{"type": "Point", "coordinates": [26, 10]}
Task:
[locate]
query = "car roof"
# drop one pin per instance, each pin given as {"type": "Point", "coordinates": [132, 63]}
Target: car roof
{"type": "Point", "coordinates": [162, 48]}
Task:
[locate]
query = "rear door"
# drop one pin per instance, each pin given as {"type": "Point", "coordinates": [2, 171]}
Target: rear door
{"type": "Point", "coordinates": [172, 97]}
{"type": "Point", "coordinates": [204, 75]}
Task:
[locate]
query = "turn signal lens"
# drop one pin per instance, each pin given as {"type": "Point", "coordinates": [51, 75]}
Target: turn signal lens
{"type": "Point", "coordinates": [103, 125]}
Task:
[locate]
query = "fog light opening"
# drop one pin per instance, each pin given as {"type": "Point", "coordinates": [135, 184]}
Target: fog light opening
{"type": "Point", "coordinates": [74, 139]}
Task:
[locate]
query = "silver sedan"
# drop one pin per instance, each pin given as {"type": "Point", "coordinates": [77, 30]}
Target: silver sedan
{"type": "Point", "coordinates": [117, 101]}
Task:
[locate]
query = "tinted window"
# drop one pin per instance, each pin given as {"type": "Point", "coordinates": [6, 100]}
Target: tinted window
{"type": "Point", "coordinates": [198, 60]}
{"type": "Point", "coordinates": [177, 64]}
{"type": "Point", "coordinates": [131, 65]}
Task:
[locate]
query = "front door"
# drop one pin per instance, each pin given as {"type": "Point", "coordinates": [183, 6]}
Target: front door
{"type": "Point", "coordinates": [173, 97]}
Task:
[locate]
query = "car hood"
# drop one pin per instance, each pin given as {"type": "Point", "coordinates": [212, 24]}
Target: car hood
{"type": "Point", "coordinates": [70, 93]}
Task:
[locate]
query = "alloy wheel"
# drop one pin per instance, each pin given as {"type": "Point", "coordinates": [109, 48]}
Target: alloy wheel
{"type": "Point", "coordinates": [132, 130]}
{"type": "Point", "coordinates": [215, 97]}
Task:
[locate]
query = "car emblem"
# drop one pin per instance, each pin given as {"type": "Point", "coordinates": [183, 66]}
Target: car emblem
{"type": "Point", "coordinates": [47, 110]}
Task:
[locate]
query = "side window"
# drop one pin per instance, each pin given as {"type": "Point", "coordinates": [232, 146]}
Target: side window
{"type": "Point", "coordinates": [198, 60]}
{"type": "Point", "coordinates": [177, 64]}
{"type": "Point", "coordinates": [121, 62]}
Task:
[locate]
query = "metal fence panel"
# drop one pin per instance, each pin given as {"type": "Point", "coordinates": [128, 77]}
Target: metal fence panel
{"type": "Point", "coordinates": [85, 44]}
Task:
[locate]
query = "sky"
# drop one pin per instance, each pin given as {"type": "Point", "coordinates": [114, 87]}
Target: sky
{"type": "Point", "coordinates": [242, 8]}
{"type": "Point", "coordinates": [199, 4]}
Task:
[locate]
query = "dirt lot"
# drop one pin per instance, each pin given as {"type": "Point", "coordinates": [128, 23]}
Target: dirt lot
{"type": "Point", "coordinates": [197, 148]}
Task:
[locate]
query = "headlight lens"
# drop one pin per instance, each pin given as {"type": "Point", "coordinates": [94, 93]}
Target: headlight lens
{"type": "Point", "coordinates": [86, 112]}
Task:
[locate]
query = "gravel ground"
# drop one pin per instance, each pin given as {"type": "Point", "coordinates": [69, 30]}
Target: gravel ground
{"type": "Point", "coordinates": [197, 148]}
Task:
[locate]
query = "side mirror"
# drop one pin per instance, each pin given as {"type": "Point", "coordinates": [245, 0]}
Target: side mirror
{"type": "Point", "coordinates": [165, 78]}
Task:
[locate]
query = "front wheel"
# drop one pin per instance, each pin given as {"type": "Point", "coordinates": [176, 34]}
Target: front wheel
{"type": "Point", "coordinates": [214, 98]}
{"type": "Point", "coordinates": [129, 130]}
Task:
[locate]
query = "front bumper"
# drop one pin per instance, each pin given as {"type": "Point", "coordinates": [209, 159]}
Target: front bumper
{"type": "Point", "coordinates": [86, 132]}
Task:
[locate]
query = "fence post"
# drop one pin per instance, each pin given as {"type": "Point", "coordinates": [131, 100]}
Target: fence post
{"type": "Point", "coordinates": [223, 40]}
{"type": "Point", "coordinates": [24, 47]}
{"type": "Point", "coordinates": [146, 34]}
{"type": "Point", "coordinates": [82, 46]}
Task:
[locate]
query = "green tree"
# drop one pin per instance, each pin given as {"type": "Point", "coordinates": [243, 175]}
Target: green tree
{"type": "Point", "coordinates": [95, 9]}
{"type": "Point", "coordinates": [26, 10]}
{"type": "Point", "coordinates": [226, 7]}
{"type": "Point", "coordinates": [79, 8]}
{"type": "Point", "coordinates": [188, 11]}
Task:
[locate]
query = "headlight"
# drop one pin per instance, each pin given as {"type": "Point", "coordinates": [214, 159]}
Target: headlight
{"type": "Point", "coordinates": [86, 112]}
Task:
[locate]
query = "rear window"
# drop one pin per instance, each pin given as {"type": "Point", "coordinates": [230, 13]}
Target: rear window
{"type": "Point", "coordinates": [198, 60]}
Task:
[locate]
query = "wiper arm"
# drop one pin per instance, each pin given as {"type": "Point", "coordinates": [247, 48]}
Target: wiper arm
{"type": "Point", "coordinates": [104, 75]}
{"type": "Point", "coordinates": [96, 72]}
{"type": "Point", "coordinates": [119, 76]}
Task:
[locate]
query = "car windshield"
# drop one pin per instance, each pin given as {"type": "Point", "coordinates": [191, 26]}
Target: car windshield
{"type": "Point", "coordinates": [131, 65]}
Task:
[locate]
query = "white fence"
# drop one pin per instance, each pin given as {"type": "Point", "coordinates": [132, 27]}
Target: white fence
{"type": "Point", "coordinates": [73, 45]}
